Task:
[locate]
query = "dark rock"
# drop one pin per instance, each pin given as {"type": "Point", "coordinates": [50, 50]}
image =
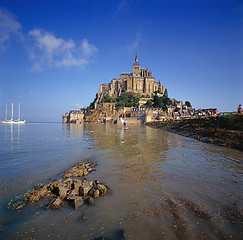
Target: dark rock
{"type": "Point", "coordinates": [96, 182]}
{"type": "Point", "coordinates": [20, 206]}
{"type": "Point", "coordinates": [68, 183]}
{"type": "Point", "coordinates": [80, 173]}
{"type": "Point", "coordinates": [43, 191]}
{"type": "Point", "coordinates": [85, 172]}
{"type": "Point", "coordinates": [70, 187]}
{"type": "Point", "coordinates": [56, 183]}
{"type": "Point", "coordinates": [54, 186]}
{"type": "Point", "coordinates": [86, 186]}
{"type": "Point", "coordinates": [56, 203]}
{"type": "Point", "coordinates": [62, 191]}
{"type": "Point", "coordinates": [90, 201]}
{"type": "Point", "coordinates": [75, 174]}
{"type": "Point", "coordinates": [33, 197]}
{"type": "Point", "coordinates": [77, 184]}
{"type": "Point", "coordinates": [102, 188]}
{"type": "Point", "coordinates": [95, 193]}
{"type": "Point", "coordinates": [67, 175]}
{"type": "Point", "coordinates": [78, 201]}
{"type": "Point", "coordinates": [73, 192]}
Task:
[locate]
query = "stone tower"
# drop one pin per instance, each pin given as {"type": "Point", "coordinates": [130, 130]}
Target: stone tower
{"type": "Point", "coordinates": [136, 66]}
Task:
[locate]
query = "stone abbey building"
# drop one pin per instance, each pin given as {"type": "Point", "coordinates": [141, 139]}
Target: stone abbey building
{"type": "Point", "coordinates": [140, 81]}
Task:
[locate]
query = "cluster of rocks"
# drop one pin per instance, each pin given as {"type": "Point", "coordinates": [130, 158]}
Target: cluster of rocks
{"type": "Point", "coordinates": [72, 188]}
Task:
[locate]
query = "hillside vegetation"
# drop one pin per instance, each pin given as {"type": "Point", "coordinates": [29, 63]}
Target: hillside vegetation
{"type": "Point", "coordinates": [220, 130]}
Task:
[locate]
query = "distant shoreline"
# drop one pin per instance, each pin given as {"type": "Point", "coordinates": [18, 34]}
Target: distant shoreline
{"type": "Point", "coordinates": [224, 131]}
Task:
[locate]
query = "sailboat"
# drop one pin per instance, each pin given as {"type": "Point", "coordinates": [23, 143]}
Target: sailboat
{"type": "Point", "coordinates": [11, 120]}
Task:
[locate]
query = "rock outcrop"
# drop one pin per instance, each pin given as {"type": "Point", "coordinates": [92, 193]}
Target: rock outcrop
{"type": "Point", "coordinates": [72, 188]}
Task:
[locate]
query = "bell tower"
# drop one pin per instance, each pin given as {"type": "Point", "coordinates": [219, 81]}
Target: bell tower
{"type": "Point", "coordinates": [136, 66]}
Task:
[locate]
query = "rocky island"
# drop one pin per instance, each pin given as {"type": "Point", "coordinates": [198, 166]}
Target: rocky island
{"type": "Point", "coordinates": [138, 98]}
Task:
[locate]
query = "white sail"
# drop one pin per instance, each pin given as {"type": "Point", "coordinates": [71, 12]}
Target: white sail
{"type": "Point", "coordinates": [12, 120]}
{"type": "Point", "coordinates": [12, 113]}
{"type": "Point", "coordinates": [6, 114]}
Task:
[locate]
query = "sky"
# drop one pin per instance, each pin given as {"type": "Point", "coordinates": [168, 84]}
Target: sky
{"type": "Point", "coordinates": [54, 54]}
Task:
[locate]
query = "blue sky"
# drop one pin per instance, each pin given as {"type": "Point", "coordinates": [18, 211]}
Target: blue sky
{"type": "Point", "coordinates": [54, 54]}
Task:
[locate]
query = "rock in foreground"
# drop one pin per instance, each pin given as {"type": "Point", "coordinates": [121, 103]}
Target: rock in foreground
{"type": "Point", "coordinates": [72, 188]}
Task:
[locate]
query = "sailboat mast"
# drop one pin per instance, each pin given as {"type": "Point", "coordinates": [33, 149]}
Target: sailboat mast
{"type": "Point", "coordinates": [19, 112]}
{"type": "Point", "coordinates": [6, 114]}
{"type": "Point", "coordinates": [12, 113]}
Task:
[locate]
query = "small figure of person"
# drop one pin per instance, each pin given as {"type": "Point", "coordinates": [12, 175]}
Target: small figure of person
{"type": "Point", "coordinates": [239, 109]}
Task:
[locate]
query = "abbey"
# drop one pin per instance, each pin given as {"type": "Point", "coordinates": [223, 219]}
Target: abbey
{"type": "Point", "coordinates": [140, 81]}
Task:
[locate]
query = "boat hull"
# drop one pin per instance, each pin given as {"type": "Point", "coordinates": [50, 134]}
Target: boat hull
{"type": "Point", "coordinates": [13, 122]}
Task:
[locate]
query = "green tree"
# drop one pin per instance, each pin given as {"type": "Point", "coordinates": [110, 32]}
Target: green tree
{"type": "Point", "coordinates": [120, 104]}
{"type": "Point", "coordinates": [166, 93]}
{"type": "Point", "coordinates": [149, 103]}
{"type": "Point", "coordinates": [162, 102]}
{"type": "Point", "coordinates": [107, 98]}
{"type": "Point", "coordinates": [158, 101]}
{"type": "Point", "coordinates": [127, 100]}
{"type": "Point", "coordinates": [188, 104]}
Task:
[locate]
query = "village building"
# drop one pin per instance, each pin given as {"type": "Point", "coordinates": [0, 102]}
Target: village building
{"type": "Point", "coordinates": [74, 116]}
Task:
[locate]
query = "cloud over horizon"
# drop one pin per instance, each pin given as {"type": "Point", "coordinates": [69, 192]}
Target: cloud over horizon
{"type": "Point", "coordinates": [45, 50]}
{"type": "Point", "coordinates": [48, 51]}
{"type": "Point", "coordinates": [9, 27]}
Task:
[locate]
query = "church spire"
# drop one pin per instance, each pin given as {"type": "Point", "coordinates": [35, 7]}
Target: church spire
{"type": "Point", "coordinates": [136, 57]}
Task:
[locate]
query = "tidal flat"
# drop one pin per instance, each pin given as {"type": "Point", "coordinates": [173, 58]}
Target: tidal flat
{"type": "Point", "coordinates": [225, 130]}
{"type": "Point", "coordinates": [161, 185]}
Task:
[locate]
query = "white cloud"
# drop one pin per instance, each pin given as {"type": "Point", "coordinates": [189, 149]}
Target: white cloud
{"type": "Point", "coordinates": [49, 51]}
{"type": "Point", "coordinates": [8, 26]}
{"type": "Point", "coordinates": [44, 48]}
{"type": "Point", "coordinates": [123, 7]}
{"type": "Point", "coordinates": [87, 49]}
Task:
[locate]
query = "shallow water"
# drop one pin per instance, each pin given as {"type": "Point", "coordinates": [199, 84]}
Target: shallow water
{"type": "Point", "coordinates": [162, 186]}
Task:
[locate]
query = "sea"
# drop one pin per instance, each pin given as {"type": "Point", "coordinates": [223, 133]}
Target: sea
{"type": "Point", "coordinates": [161, 185]}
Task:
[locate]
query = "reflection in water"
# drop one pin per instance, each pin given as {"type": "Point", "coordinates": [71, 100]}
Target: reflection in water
{"type": "Point", "coordinates": [73, 130]}
{"type": "Point", "coordinates": [12, 132]}
{"type": "Point", "coordinates": [162, 186]}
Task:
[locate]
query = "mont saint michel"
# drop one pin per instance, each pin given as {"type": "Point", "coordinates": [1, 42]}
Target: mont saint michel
{"type": "Point", "coordinates": [138, 98]}
{"type": "Point", "coordinates": [140, 81]}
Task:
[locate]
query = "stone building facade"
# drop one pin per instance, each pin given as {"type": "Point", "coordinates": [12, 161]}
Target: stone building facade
{"type": "Point", "coordinates": [74, 116]}
{"type": "Point", "coordinates": [140, 81]}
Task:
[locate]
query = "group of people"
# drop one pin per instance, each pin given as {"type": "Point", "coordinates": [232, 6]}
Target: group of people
{"type": "Point", "coordinates": [239, 109]}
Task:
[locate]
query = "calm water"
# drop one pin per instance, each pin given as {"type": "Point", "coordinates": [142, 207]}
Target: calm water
{"type": "Point", "coordinates": [162, 186]}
